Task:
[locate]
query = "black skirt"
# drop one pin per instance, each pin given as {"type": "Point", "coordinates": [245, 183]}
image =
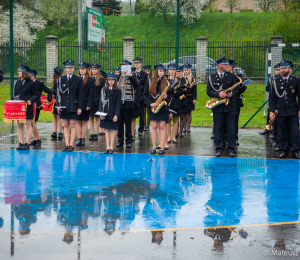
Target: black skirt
{"type": "Point", "coordinates": [191, 106]}
{"type": "Point", "coordinates": [55, 109]}
{"type": "Point", "coordinates": [29, 116]}
{"type": "Point", "coordinates": [93, 111]}
{"type": "Point", "coordinates": [108, 124]}
{"type": "Point", "coordinates": [178, 112]}
{"type": "Point", "coordinates": [84, 116]}
{"type": "Point", "coordinates": [160, 116]}
{"type": "Point", "coordinates": [184, 110]}
{"type": "Point", "coordinates": [135, 112]}
{"type": "Point", "coordinates": [70, 116]}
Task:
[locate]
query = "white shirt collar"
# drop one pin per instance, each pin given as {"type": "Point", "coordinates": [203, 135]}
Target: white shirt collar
{"type": "Point", "coordinates": [220, 74]}
{"type": "Point", "coordinates": [285, 78]}
{"type": "Point", "coordinates": [69, 76]}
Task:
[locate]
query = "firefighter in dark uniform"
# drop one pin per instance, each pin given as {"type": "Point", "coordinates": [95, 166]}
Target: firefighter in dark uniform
{"type": "Point", "coordinates": [285, 89]}
{"type": "Point", "coordinates": [268, 89]}
{"type": "Point", "coordinates": [142, 78]}
{"type": "Point", "coordinates": [239, 98]}
{"type": "Point", "coordinates": [222, 114]}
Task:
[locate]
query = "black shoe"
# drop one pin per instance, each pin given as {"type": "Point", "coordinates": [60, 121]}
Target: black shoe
{"type": "Point", "coordinates": [65, 149]}
{"type": "Point", "coordinates": [128, 145]}
{"type": "Point", "coordinates": [54, 135]}
{"type": "Point", "coordinates": [70, 149]}
{"type": "Point", "coordinates": [111, 151]}
{"type": "Point", "coordinates": [38, 142]}
{"type": "Point", "coordinates": [162, 151]}
{"type": "Point", "coordinates": [174, 141]}
{"type": "Point", "coordinates": [231, 153]}
{"type": "Point", "coordinates": [277, 149]}
{"type": "Point", "coordinates": [102, 133]}
{"type": "Point", "coordinates": [265, 132]}
{"type": "Point", "coordinates": [169, 142]}
{"type": "Point", "coordinates": [181, 136]}
{"type": "Point", "coordinates": [132, 139]}
{"type": "Point", "coordinates": [219, 153]}
{"type": "Point", "coordinates": [95, 138]}
{"type": "Point", "coordinates": [119, 144]}
{"type": "Point", "coordinates": [157, 147]}
{"type": "Point", "coordinates": [99, 133]}
{"type": "Point", "coordinates": [153, 151]}
{"type": "Point", "coordinates": [33, 143]}
{"type": "Point", "coordinates": [184, 131]}
{"type": "Point", "coordinates": [176, 136]}
{"type": "Point", "coordinates": [78, 143]}
{"type": "Point", "coordinates": [296, 155]}
{"type": "Point", "coordinates": [92, 138]}
{"type": "Point", "coordinates": [188, 131]}
{"type": "Point", "coordinates": [82, 142]}
{"type": "Point", "coordinates": [25, 147]}
{"type": "Point", "coordinates": [212, 137]}
{"type": "Point", "coordinates": [166, 148]}
{"type": "Point", "coordinates": [140, 134]}
{"type": "Point", "coordinates": [60, 136]}
{"type": "Point", "coordinates": [20, 146]}
{"type": "Point", "coordinates": [106, 151]}
{"type": "Point", "coordinates": [272, 136]}
{"type": "Point", "coordinates": [147, 129]}
{"type": "Point", "coordinates": [237, 143]}
{"type": "Point", "coordinates": [283, 155]}
{"type": "Point", "coordinates": [274, 144]}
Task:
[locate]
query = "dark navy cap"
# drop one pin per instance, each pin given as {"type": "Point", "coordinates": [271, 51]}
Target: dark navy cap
{"type": "Point", "coordinates": [187, 66]}
{"type": "Point", "coordinates": [69, 64]}
{"type": "Point", "coordinates": [286, 63]}
{"type": "Point", "coordinates": [180, 68]}
{"type": "Point", "coordinates": [58, 70]}
{"type": "Point", "coordinates": [111, 76]}
{"type": "Point", "coordinates": [172, 66]}
{"type": "Point", "coordinates": [33, 72]}
{"type": "Point", "coordinates": [95, 65]}
{"type": "Point", "coordinates": [159, 66]}
{"type": "Point", "coordinates": [147, 67]}
{"type": "Point", "coordinates": [103, 73]}
{"type": "Point", "coordinates": [277, 66]}
{"type": "Point", "coordinates": [83, 65]}
{"type": "Point", "coordinates": [137, 59]}
{"type": "Point", "coordinates": [231, 62]}
{"type": "Point", "coordinates": [24, 68]}
{"type": "Point", "coordinates": [126, 62]}
{"type": "Point", "coordinates": [222, 60]}
{"type": "Point", "coordinates": [118, 69]}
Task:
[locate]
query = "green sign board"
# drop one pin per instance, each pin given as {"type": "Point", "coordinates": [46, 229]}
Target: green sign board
{"type": "Point", "coordinates": [95, 30]}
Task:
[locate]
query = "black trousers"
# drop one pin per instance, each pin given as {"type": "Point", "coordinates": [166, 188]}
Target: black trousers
{"type": "Point", "coordinates": [125, 117]}
{"type": "Point", "coordinates": [221, 119]}
{"type": "Point", "coordinates": [288, 133]}
{"type": "Point", "coordinates": [237, 117]}
{"type": "Point", "coordinates": [142, 116]}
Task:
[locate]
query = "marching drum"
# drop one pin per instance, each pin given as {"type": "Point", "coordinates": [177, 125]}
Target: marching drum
{"type": "Point", "coordinates": [14, 110]}
{"type": "Point", "coordinates": [47, 106]}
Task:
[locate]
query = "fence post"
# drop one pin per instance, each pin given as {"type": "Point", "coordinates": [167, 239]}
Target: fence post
{"type": "Point", "coordinates": [201, 58]}
{"type": "Point", "coordinates": [51, 55]}
{"type": "Point", "coordinates": [129, 48]}
{"type": "Point", "coordinates": [276, 52]}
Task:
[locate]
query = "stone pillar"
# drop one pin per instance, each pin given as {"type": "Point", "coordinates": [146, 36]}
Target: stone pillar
{"type": "Point", "coordinates": [201, 58]}
{"type": "Point", "coordinates": [51, 56]}
{"type": "Point", "coordinates": [129, 48]}
{"type": "Point", "coordinates": [276, 52]}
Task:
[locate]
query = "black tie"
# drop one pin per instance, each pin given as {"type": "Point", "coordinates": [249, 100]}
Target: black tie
{"type": "Point", "coordinates": [221, 75]}
{"type": "Point", "coordinates": [285, 81]}
{"type": "Point", "coordinates": [68, 78]}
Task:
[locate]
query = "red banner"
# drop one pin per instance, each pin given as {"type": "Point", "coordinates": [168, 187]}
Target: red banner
{"type": "Point", "coordinates": [14, 110]}
{"type": "Point", "coordinates": [47, 106]}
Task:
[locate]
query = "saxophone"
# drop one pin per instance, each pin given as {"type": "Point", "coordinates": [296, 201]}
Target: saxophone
{"type": "Point", "coordinates": [161, 101]}
{"type": "Point", "coordinates": [213, 102]}
{"type": "Point", "coordinates": [269, 126]}
{"type": "Point", "coordinates": [183, 95]}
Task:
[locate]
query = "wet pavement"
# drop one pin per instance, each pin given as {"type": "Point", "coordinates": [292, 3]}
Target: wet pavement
{"type": "Point", "coordinates": [183, 205]}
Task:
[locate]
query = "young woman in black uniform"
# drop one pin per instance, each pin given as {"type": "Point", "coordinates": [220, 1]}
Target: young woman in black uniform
{"type": "Point", "coordinates": [88, 101]}
{"type": "Point", "coordinates": [99, 84]}
{"type": "Point", "coordinates": [152, 92]}
{"type": "Point", "coordinates": [71, 91]}
{"type": "Point", "coordinates": [148, 70]}
{"type": "Point", "coordinates": [110, 103]}
{"type": "Point", "coordinates": [191, 95]}
{"type": "Point", "coordinates": [57, 73]}
{"type": "Point", "coordinates": [25, 89]}
{"type": "Point", "coordinates": [103, 74]}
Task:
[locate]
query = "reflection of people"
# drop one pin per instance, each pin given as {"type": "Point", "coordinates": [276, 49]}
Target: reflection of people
{"type": "Point", "coordinates": [157, 236]}
{"type": "Point", "coordinates": [1, 222]}
{"type": "Point", "coordinates": [219, 235]}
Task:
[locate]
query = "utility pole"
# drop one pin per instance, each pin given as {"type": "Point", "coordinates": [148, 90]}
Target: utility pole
{"type": "Point", "coordinates": [11, 46]}
{"type": "Point", "coordinates": [177, 32]}
{"type": "Point", "coordinates": [79, 31]}
{"type": "Point", "coordinates": [130, 7]}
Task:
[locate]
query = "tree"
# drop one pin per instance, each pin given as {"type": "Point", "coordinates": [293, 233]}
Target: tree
{"type": "Point", "coordinates": [29, 4]}
{"type": "Point", "coordinates": [232, 4]}
{"type": "Point", "coordinates": [267, 5]}
{"type": "Point", "coordinates": [26, 25]}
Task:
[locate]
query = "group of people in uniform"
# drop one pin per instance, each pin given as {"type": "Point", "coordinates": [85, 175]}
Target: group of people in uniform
{"type": "Point", "coordinates": [110, 103]}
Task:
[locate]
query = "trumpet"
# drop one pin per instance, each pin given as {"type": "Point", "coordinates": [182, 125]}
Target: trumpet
{"type": "Point", "coordinates": [269, 126]}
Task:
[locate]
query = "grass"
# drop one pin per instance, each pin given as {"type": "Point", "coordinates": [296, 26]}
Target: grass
{"type": "Point", "coordinates": [201, 116]}
{"type": "Point", "coordinates": [244, 26]}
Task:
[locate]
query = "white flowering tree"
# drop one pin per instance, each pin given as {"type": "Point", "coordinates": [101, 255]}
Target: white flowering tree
{"type": "Point", "coordinates": [190, 10]}
{"type": "Point", "coordinates": [26, 25]}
